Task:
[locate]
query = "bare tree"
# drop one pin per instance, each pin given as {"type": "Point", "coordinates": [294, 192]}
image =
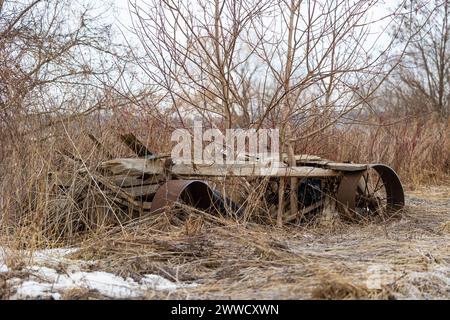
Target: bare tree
{"type": "Point", "coordinates": [422, 83]}
{"type": "Point", "coordinates": [57, 58]}
{"type": "Point", "coordinates": [298, 65]}
{"type": "Point", "coordinates": [262, 61]}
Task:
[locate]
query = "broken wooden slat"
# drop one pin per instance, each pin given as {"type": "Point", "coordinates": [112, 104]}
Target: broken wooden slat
{"type": "Point", "coordinates": [135, 145]}
{"type": "Point", "coordinates": [139, 166]}
{"type": "Point", "coordinates": [136, 180]}
{"type": "Point", "coordinates": [250, 170]}
{"type": "Point", "coordinates": [321, 162]}
{"type": "Point", "coordinates": [302, 157]}
{"type": "Point", "coordinates": [100, 146]}
{"type": "Point", "coordinates": [134, 166]}
{"type": "Point", "coordinates": [342, 166]}
{"type": "Point", "coordinates": [141, 191]}
{"type": "Point", "coordinates": [117, 191]}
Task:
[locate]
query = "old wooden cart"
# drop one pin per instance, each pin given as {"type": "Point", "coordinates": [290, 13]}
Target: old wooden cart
{"type": "Point", "coordinates": [151, 183]}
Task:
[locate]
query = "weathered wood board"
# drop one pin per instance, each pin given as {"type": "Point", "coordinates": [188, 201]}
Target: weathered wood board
{"type": "Point", "coordinates": [251, 171]}
{"type": "Point", "coordinates": [156, 167]}
{"type": "Point", "coordinates": [141, 191]}
{"type": "Point", "coordinates": [136, 180]}
{"type": "Point", "coordinates": [134, 166]}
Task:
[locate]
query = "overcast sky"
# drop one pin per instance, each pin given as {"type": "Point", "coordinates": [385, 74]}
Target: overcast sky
{"type": "Point", "coordinates": [122, 18]}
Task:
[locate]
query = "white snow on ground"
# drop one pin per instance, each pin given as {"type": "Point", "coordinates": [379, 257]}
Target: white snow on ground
{"type": "Point", "coordinates": [4, 268]}
{"type": "Point", "coordinates": [46, 282]}
{"type": "Point", "coordinates": [431, 284]}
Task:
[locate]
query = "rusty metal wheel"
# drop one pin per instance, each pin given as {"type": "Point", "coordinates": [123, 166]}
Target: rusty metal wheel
{"type": "Point", "coordinates": [375, 192]}
{"type": "Point", "coordinates": [195, 193]}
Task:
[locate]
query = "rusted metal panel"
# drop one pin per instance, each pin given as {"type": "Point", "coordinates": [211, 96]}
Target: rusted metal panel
{"type": "Point", "coordinates": [194, 192]}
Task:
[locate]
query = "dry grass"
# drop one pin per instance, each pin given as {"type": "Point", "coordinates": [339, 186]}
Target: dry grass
{"type": "Point", "coordinates": [417, 148]}
{"type": "Point", "coordinates": [37, 212]}
{"type": "Point", "coordinates": [229, 260]}
{"type": "Point", "coordinates": [233, 259]}
{"type": "Point", "coordinates": [226, 256]}
{"type": "Point", "coordinates": [51, 100]}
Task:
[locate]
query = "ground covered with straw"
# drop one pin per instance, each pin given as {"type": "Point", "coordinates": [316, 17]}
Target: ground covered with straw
{"type": "Point", "coordinates": [201, 256]}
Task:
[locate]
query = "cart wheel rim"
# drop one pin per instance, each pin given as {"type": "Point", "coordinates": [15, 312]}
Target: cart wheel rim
{"type": "Point", "coordinates": [356, 198]}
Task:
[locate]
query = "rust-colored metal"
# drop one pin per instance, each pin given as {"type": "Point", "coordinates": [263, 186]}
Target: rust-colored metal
{"type": "Point", "coordinates": [346, 193]}
{"type": "Point", "coordinates": [393, 186]}
{"type": "Point", "coordinates": [348, 187]}
{"type": "Point", "coordinates": [193, 192]}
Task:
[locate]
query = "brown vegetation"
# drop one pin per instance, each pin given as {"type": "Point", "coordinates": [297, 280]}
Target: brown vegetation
{"type": "Point", "coordinates": [326, 93]}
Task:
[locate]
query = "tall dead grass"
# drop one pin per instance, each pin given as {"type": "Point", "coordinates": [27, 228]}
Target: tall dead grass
{"type": "Point", "coordinates": [35, 212]}
{"type": "Point", "coordinates": [417, 148]}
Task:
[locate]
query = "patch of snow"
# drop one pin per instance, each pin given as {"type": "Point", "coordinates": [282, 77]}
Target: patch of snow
{"type": "Point", "coordinates": [3, 267]}
{"type": "Point", "coordinates": [33, 289]}
{"type": "Point", "coordinates": [155, 282]}
{"type": "Point", "coordinates": [51, 274]}
{"type": "Point", "coordinates": [46, 282]}
{"type": "Point", "coordinates": [56, 253]}
{"type": "Point", "coordinates": [54, 256]}
{"type": "Point", "coordinates": [431, 284]}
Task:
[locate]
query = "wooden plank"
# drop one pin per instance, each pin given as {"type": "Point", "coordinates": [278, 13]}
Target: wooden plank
{"type": "Point", "coordinates": [136, 180]}
{"type": "Point", "coordinates": [115, 190]}
{"type": "Point", "coordinates": [251, 170]}
{"type": "Point", "coordinates": [135, 145]}
{"type": "Point", "coordinates": [134, 166]}
{"type": "Point", "coordinates": [321, 162]}
{"type": "Point", "coordinates": [342, 166]}
{"type": "Point", "coordinates": [139, 166]}
{"type": "Point", "coordinates": [100, 146]}
{"type": "Point", "coordinates": [301, 157]}
{"type": "Point", "coordinates": [141, 191]}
